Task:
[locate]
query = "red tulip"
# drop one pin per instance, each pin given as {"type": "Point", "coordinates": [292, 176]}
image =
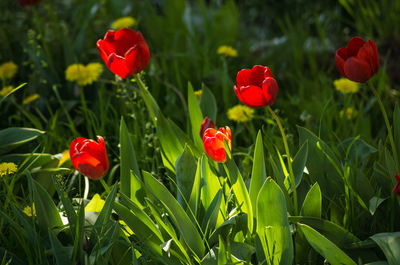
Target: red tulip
{"type": "Point", "coordinates": [28, 2]}
{"type": "Point", "coordinates": [396, 188]}
{"type": "Point", "coordinates": [213, 141]}
{"type": "Point", "coordinates": [256, 87]}
{"type": "Point", "coordinates": [358, 61]}
{"type": "Point", "coordinates": [89, 157]}
{"type": "Point", "coordinates": [124, 51]}
{"type": "Point", "coordinates": [207, 123]}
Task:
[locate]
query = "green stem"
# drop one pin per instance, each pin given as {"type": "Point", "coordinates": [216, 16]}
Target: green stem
{"type": "Point", "coordinates": [291, 175]}
{"type": "Point", "coordinates": [148, 99]}
{"type": "Point", "coordinates": [85, 112]}
{"type": "Point", "coordinates": [105, 186]}
{"type": "Point", "coordinates": [385, 117]}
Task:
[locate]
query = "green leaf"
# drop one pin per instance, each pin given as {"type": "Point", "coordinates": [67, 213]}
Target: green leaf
{"type": "Point", "coordinates": [258, 173]}
{"type": "Point", "coordinates": [273, 225]}
{"type": "Point", "coordinates": [222, 260]}
{"type": "Point", "coordinates": [356, 149]}
{"type": "Point", "coordinates": [60, 254]}
{"type": "Point", "coordinates": [208, 104]}
{"type": "Point", "coordinates": [337, 234]}
{"type": "Point", "coordinates": [46, 211]}
{"type": "Point", "coordinates": [68, 207]}
{"type": "Point", "coordinates": [196, 117]}
{"type": "Point", "coordinates": [390, 245]}
{"type": "Point", "coordinates": [187, 229]}
{"type": "Point", "coordinates": [396, 127]}
{"type": "Point", "coordinates": [129, 185]}
{"type": "Point", "coordinates": [210, 218]}
{"type": "Point", "coordinates": [299, 163]}
{"type": "Point", "coordinates": [12, 91]}
{"type": "Point", "coordinates": [325, 247]}
{"type": "Point", "coordinates": [12, 137]}
{"type": "Point", "coordinates": [374, 203]}
{"type": "Point", "coordinates": [239, 188]}
{"type": "Point", "coordinates": [195, 193]}
{"type": "Point", "coordinates": [185, 167]}
{"type": "Point", "coordinates": [312, 204]}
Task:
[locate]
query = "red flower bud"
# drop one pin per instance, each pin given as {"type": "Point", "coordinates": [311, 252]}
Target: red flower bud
{"type": "Point", "coordinates": [124, 51]}
{"type": "Point", "coordinates": [256, 87]}
{"type": "Point", "coordinates": [396, 188]}
{"type": "Point", "coordinates": [89, 157]}
{"type": "Point", "coordinates": [213, 141]}
{"type": "Point", "coordinates": [207, 123]}
{"type": "Point", "coordinates": [358, 61]}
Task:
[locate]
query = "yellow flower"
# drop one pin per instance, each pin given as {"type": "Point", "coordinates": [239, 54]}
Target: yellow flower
{"type": "Point", "coordinates": [8, 70]}
{"type": "Point", "coordinates": [198, 93]}
{"type": "Point", "coordinates": [124, 22]}
{"type": "Point", "coordinates": [7, 169]}
{"type": "Point", "coordinates": [5, 90]}
{"type": "Point", "coordinates": [83, 75]}
{"type": "Point", "coordinates": [227, 51]}
{"type": "Point", "coordinates": [95, 205]}
{"type": "Point", "coordinates": [240, 113]}
{"type": "Point", "coordinates": [30, 98]}
{"type": "Point", "coordinates": [30, 211]}
{"type": "Point", "coordinates": [345, 85]}
{"type": "Point", "coordinates": [349, 112]}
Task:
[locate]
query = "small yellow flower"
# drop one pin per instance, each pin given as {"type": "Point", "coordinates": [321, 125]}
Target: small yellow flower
{"type": "Point", "coordinates": [30, 99]}
{"type": "Point", "coordinates": [124, 22]}
{"type": "Point", "coordinates": [349, 112]}
{"type": "Point", "coordinates": [240, 113]}
{"type": "Point", "coordinates": [83, 75]}
{"type": "Point", "coordinates": [7, 169]}
{"type": "Point", "coordinates": [30, 211]}
{"type": "Point", "coordinates": [5, 90]}
{"type": "Point", "coordinates": [346, 86]}
{"type": "Point", "coordinates": [95, 204]}
{"type": "Point", "coordinates": [198, 93]}
{"type": "Point", "coordinates": [227, 51]}
{"type": "Point", "coordinates": [8, 70]}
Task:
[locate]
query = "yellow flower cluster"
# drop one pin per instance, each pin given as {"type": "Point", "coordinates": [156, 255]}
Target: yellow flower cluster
{"type": "Point", "coordinates": [124, 22]}
{"type": "Point", "coordinates": [30, 99]}
{"type": "Point", "coordinates": [349, 112]}
{"type": "Point", "coordinates": [346, 86]}
{"type": "Point", "coordinates": [198, 93]}
{"type": "Point", "coordinates": [30, 211]}
{"type": "Point", "coordinates": [240, 113]}
{"type": "Point", "coordinates": [227, 51]}
{"type": "Point", "coordinates": [8, 70]}
{"type": "Point", "coordinates": [7, 169]}
{"type": "Point", "coordinates": [83, 75]}
{"type": "Point", "coordinates": [5, 90]}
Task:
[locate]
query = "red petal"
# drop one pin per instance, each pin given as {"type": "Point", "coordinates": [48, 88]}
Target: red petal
{"type": "Point", "coordinates": [118, 66]}
{"type": "Point", "coordinates": [89, 166]}
{"type": "Point", "coordinates": [341, 56]}
{"type": "Point", "coordinates": [243, 78]}
{"type": "Point", "coordinates": [357, 70]}
{"type": "Point", "coordinates": [215, 149]}
{"type": "Point", "coordinates": [124, 40]}
{"type": "Point", "coordinates": [396, 189]}
{"type": "Point", "coordinates": [354, 45]}
{"type": "Point", "coordinates": [137, 58]}
{"type": "Point", "coordinates": [374, 57]}
{"type": "Point", "coordinates": [257, 75]}
{"type": "Point", "coordinates": [270, 90]}
{"type": "Point", "coordinates": [107, 45]}
{"type": "Point", "coordinates": [207, 123]}
{"type": "Point", "coordinates": [252, 96]}
{"type": "Point", "coordinates": [397, 176]}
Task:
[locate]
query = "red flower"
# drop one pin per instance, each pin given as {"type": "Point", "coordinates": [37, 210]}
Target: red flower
{"type": "Point", "coordinates": [256, 87]}
{"type": "Point", "coordinates": [213, 141]}
{"type": "Point", "coordinates": [89, 157]}
{"type": "Point", "coordinates": [358, 61]}
{"type": "Point", "coordinates": [124, 51]}
{"type": "Point", "coordinates": [28, 2]}
{"type": "Point", "coordinates": [396, 188]}
{"type": "Point", "coordinates": [207, 123]}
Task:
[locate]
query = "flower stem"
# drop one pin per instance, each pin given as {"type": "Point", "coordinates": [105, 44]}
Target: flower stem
{"type": "Point", "coordinates": [86, 191]}
{"type": "Point", "coordinates": [291, 175]}
{"type": "Point", "coordinates": [385, 117]}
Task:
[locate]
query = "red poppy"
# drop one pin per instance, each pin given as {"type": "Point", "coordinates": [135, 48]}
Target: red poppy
{"type": "Point", "coordinates": [213, 141]}
{"type": "Point", "coordinates": [124, 51]}
{"type": "Point", "coordinates": [358, 61]}
{"type": "Point", "coordinates": [28, 2]}
{"type": "Point", "coordinates": [256, 87]}
{"type": "Point", "coordinates": [207, 123]}
{"type": "Point", "coordinates": [396, 188]}
{"type": "Point", "coordinates": [89, 157]}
